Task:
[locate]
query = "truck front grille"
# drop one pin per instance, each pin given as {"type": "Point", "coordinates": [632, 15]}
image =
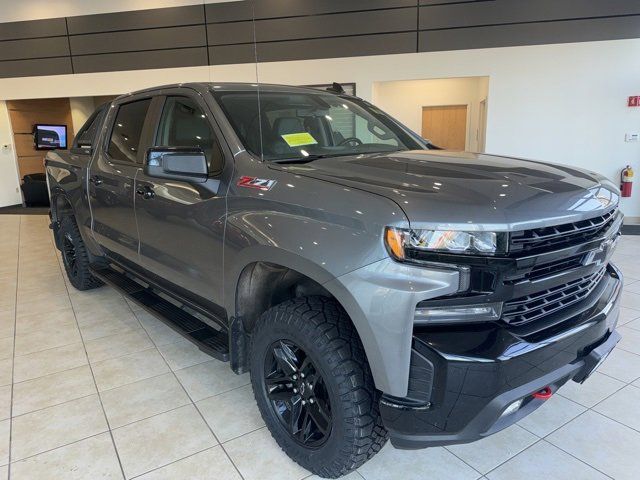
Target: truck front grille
{"type": "Point", "coordinates": [559, 236]}
{"type": "Point", "coordinates": [546, 302]}
{"type": "Point", "coordinates": [555, 268]}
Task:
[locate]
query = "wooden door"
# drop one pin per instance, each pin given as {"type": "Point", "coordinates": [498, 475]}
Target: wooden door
{"type": "Point", "coordinates": [446, 126]}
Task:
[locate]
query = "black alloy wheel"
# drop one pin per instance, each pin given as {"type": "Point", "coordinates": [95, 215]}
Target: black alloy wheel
{"type": "Point", "coordinates": [69, 254]}
{"type": "Point", "coordinates": [298, 393]}
{"type": "Point", "coordinates": [75, 256]}
{"type": "Point", "coordinates": [314, 387]}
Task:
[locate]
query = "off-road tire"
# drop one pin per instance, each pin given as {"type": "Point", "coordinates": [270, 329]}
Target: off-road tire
{"type": "Point", "coordinates": [79, 275]}
{"type": "Point", "coordinates": [322, 328]}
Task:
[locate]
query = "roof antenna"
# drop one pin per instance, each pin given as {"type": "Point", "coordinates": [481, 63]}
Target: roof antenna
{"type": "Point", "coordinates": [336, 88]}
{"type": "Point", "coordinates": [255, 52]}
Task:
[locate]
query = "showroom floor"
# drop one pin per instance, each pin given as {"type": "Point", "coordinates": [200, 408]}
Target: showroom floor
{"type": "Point", "coordinates": [91, 387]}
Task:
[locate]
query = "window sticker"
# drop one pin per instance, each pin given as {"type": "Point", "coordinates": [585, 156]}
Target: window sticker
{"type": "Point", "coordinates": [299, 139]}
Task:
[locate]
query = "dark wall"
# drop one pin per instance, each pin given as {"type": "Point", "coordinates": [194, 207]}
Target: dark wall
{"type": "Point", "coordinates": [223, 33]}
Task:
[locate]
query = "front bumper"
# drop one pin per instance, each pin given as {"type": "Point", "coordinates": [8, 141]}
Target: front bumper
{"type": "Point", "coordinates": [464, 377]}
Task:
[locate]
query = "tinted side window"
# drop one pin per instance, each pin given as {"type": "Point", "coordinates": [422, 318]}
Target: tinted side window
{"type": "Point", "coordinates": [127, 128]}
{"type": "Point", "coordinates": [184, 124]}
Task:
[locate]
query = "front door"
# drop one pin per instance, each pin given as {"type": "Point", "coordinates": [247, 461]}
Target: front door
{"type": "Point", "coordinates": [111, 180]}
{"type": "Point", "coordinates": [445, 126]}
{"type": "Point", "coordinates": [181, 222]}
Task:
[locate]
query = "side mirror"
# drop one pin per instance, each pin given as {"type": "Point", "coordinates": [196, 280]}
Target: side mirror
{"type": "Point", "coordinates": [85, 140]}
{"type": "Point", "coordinates": [176, 163]}
{"type": "Point", "coordinates": [84, 145]}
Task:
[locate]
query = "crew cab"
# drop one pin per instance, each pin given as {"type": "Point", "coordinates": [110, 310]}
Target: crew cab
{"type": "Point", "coordinates": [373, 285]}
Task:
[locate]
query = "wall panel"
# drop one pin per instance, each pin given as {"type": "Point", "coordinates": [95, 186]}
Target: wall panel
{"type": "Point", "coordinates": [530, 34]}
{"type": "Point", "coordinates": [236, 11]}
{"type": "Point", "coordinates": [136, 20]}
{"type": "Point", "coordinates": [496, 12]}
{"type": "Point", "coordinates": [323, 26]}
{"type": "Point", "coordinates": [223, 33]}
{"type": "Point", "coordinates": [108, 62]}
{"type": "Point", "coordinates": [137, 40]}
{"type": "Point", "coordinates": [34, 48]}
{"type": "Point", "coordinates": [33, 29]}
{"type": "Point", "coordinates": [315, 48]}
{"type": "Point", "coordinates": [30, 68]}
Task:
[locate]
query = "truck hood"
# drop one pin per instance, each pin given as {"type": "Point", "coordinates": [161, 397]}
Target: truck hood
{"type": "Point", "coordinates": [470, 191]}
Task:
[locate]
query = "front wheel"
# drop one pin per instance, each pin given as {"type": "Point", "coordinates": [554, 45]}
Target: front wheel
{"type": "Point", "coordinates": [314, 388]}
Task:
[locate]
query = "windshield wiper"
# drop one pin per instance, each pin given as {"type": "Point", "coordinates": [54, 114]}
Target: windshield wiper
{"type": "Point", "coordinates": [309, 158]}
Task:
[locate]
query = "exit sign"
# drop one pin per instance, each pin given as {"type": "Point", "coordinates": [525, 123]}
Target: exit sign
{"type": "Point", "coordinates": [634, 101]}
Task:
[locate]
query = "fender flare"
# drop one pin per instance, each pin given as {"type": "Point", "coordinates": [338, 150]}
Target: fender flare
{"type": "Point", "coordinates": [284, 258]}
{"type": "Point", "coordinates": [268, 254]}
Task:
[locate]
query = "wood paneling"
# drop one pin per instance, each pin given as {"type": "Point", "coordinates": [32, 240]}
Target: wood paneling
{"type": "Point", "coordinates": [29, 165]}
{"type": "Point", "coordinates": [38, 105]}
{"type": "Point", "coordinates": [24, 114]}
{"type": "Point", "coordinates": [24, 145]}
{"type": "Point", "coordinates": [22, 122]}
{"type": "Point", "coordinates": [446, 126]}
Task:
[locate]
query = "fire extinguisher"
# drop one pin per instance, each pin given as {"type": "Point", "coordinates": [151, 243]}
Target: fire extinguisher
{"type": "Point", "coordinates": [626, 181]}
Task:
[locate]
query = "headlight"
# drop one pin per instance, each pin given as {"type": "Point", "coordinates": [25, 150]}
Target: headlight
{"type": "Point", "coordinates": [464, 313]}
{"type": "Point", "coordinates": [398, 240]}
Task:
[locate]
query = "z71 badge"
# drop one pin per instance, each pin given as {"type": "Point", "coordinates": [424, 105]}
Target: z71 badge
{"type": "Point", "coordinates": [258, 183]}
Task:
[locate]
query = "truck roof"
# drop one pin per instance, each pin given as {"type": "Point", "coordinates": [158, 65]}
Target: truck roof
{"type": "Point", "coordinates": [226, 86]}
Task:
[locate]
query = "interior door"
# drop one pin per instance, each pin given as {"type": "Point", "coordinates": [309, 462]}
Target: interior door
{"type": "Point", "coordinates": [181, 222]}
{"type": "Point", "coordinates": [112, 177]}
{"type": "Point", "coordinates": [446, 126]}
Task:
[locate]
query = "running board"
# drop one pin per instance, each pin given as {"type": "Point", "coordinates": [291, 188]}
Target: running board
{"type": "Point", "coordinates": [209, 340]}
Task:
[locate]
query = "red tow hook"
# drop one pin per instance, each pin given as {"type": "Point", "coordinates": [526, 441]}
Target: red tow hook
{"type": "Point", "coordinates": [544, 394]}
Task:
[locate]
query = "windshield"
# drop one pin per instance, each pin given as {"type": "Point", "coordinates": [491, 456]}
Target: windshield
{"type": "Point", "coordinates": [299, 125]}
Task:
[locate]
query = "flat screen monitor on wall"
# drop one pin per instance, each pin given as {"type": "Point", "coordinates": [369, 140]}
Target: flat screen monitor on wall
{"type": "Point", "coordinates": [48, 137]}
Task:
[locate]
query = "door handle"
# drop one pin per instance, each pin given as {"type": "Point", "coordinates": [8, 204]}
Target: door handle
{"type": "Point", "coordinates": [146, 192]}
{"type": "Point", "coordinates": [96, 180]}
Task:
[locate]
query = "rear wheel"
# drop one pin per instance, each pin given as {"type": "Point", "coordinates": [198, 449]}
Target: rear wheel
{"type": "Point", "coordinates": [75, 256]}
{"type": "Point", "coordinates": [314, 388]}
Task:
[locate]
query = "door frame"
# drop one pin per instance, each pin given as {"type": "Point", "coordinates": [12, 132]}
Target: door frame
{"type": "Point", "coordinates": [483, 106]}
{"type": "Point", "coordinates": [224, 177]}
{"type": "Point", "coordinates": [102, 146]}
{"type": "Point", "coordinates": [9, 167]}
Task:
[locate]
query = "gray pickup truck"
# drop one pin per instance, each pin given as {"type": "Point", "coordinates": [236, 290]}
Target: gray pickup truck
{"type": "Point", "coordinates": [374, 286]}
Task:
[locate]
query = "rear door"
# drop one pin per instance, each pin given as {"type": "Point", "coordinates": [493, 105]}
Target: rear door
{"type": "Point", "coordinates": [112, 176]}
{"type": "Point", "coordinates": [181, 222]}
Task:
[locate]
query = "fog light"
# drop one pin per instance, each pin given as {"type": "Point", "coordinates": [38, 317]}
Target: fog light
{"type": "Point", "coordinates": [459, 314]}
{"type": "Point", "coordinates": [512, 408]}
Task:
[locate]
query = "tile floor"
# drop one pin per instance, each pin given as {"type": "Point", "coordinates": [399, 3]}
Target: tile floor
{"type": "Point", "coordinates": [92, 387]}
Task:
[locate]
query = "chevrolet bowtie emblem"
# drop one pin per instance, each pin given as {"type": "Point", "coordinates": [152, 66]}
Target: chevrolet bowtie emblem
{"type": "Point", "coordinates": [590, 257]}
{"type": "Point", "coordinates": [603, 200]}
